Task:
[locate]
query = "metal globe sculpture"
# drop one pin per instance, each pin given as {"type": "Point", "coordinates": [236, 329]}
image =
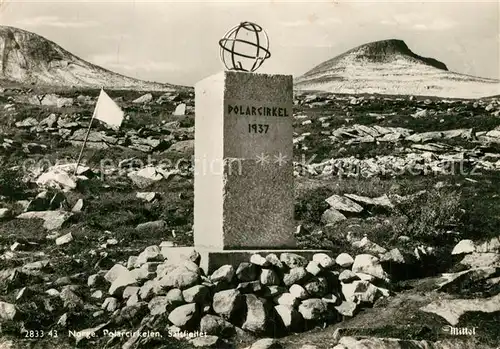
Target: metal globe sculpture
{"type": "Point", "coordinates": [244, 47]}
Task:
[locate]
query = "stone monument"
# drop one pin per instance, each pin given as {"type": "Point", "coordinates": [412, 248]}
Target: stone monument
{"type": "Point", "coordinates": [243, 182]}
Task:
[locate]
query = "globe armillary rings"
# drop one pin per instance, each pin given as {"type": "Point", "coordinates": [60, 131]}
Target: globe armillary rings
{"type": "Point", "coordinates": [244, 47]}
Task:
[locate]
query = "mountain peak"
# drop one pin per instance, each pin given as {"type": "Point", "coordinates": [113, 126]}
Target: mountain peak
{"type": "Point", "coordinates": [390, 67]}
{"type": "Point", "coordinates": [27, 57]}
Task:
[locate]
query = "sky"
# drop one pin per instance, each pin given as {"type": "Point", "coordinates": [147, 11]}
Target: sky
{"type": "Point", "coordinates": [177, 41]}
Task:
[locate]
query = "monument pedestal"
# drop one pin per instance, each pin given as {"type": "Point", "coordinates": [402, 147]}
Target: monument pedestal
{"type": "Point", "coordinates": [211, 260]}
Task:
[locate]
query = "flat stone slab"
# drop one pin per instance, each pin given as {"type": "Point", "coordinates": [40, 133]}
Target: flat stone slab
{"type": "Point", "coordinates": [211, 260]}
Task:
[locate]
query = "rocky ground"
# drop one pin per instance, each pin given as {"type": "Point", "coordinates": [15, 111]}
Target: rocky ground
{"type": "Point", "coordinates": [403, 191]}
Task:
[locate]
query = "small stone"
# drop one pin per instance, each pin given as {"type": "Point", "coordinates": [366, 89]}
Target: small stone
{"type": "Point", "coordinates": [52, 292]}
{"type": "Point", "coordinates": [330, 299]}
{"type": "Point", "coordinates": [274, 261]}
{"type": "Point", "coordinates": [317, 287]}
{"type": "Point", "coordinates": [8, 312]}
{"type": "Point", "coordinates": [313, 268]}
{"type": "Point", "coordinates": [324, 260]}
{"type": "Point", "coordinates": [287, 299]}
{"type": "Point", "coordinates": [257, 259]}
{"type": "Point", "coordinates": [464, 247]}
{"type": "Point", "coordinates": [289, 317]}
{"type": "Point", "coordinates": [226, 303]}
{"type": "Point", "coordinates": [183, 315]}
{"type": "Point", "coordinates": [226, 272]}
{"type": "Point", "coordinates": [268, 277]}
{"type": "Point", "coordinates": [158, 305]}
{"type": "Point", "coordinates": [97, 294]}
{"type": "Point", "coordinates": [65, 239]}
{"type": "Point", "coordinates": [247, 272]}
{"type": "Point", "coordinates": [249, 287]}
{"type": "Point", "coordinates": [146, 196]}
{"type": "Point", "coordinates": [78, 207]}
{"type": "Point", "coordinates": [215, 325]}
{"type": "Point", "coordinates": [151, 227]}
{"type": "Point", "coordinates": [110, 304]}
{"type": "Point", "coordinates": [292, 260]}
{"type": "Point", "coordinates": [348, 276]}
{"type": "Point", "coordinates": [181, 278]}
{"type": "Point", "coordinates": [298, 292]}
{"type": "Point", "coordinates": [313, 309]}
{"type": "Point", "coordinates": [70, 299]}
{"type": "Point", "coordinates": [360, 291]}
{"type": "Point", "coordinates": [197, 294]}
{"type": "Point", "coordinates": [295, 276]}
{"type": "Point", "coordinates": [121, 282]}
{"type": "Point", "coordinates": [150, 254]}
{"type": "Point", "coordinates": [175, 296]}
{"type": "Point", "coordinates": [130, 291]}
{"type": "Point", "coordinates": [368, 264]}
{"type": "Point", "coordinates": [4, 213]}
{"type": "Point", "coordinates": [257, 314]}
{"type": "Point", "coordinates": [115, 272]}
{"type": "Point", "coordinates": [347, 308]}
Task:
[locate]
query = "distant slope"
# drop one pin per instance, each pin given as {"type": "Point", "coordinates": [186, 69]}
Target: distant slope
{"type": "Point", "coordinates": [26, 57]}
{"type": "Point", "coordinates": [390, 67]}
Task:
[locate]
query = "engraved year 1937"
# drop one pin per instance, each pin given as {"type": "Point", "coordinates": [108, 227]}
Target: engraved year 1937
{"type": "Point", "coordinates": [258, 128]}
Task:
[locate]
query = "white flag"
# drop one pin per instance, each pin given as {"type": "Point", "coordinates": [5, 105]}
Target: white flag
{"type": "Point", "coordinates": [108, 111]}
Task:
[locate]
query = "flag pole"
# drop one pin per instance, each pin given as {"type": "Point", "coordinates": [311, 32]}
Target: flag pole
{"type": "Point", "coordinates": [86, 138]}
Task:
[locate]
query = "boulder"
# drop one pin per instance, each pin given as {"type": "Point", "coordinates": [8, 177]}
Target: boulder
{"type": "Point", "coordinates": [313, 268]}
{"type": "Point", "coordinates": [180, 109]}
{"type": "Point", "coordinates": [347, 308]}
{"type": "Point", "coordinates": [368, 264]}
{"type": "Point", "coordinates": [295, 276]}
{"type": "Point", "coordinates": [324, 260]}
{"type": "Point", "coordinates": [159, 305]}
{"type": "Point", "coordinates": [110, 304]}
{"type": "Point", "coordinates": [258, 260]}
{"type": "Point", "coordinates": [464, 247]}
{"type": "Point", "coordinates": [287, 299]}
{"type": "Point", "coordinates": [269, 277]}
{"type": "Point", "coordinates": [151, 227]}
{"type": "Point", "coordinates": [197, 294]}
{"type": "Point", "coordinates": [125, 278]}
{"type": "Point", "coordinates": [184, 316]}
{"type": "Point", "coordinates": [249, 287]}
{"type": "Point", "coordinates": [452, 309]}
{"type": "Point", "coordinates": [343, 204]}
{"type": "Point", "coordinates": [313, 309]}
{"type": "Point", "coordinates": [347, 276]}
{"type": "Point", "coordinates": [225, 272]}
{"type": "Point", "coordinates": [227, 303]}
{"type": "Point", "coordinates": [317, 287]}
{"type": "Point", "coordinates": [360, 291]}
{"type": "Point", "coordinates": [247, 272]}
{"type": "Point", "coordinates": [298, 292]}
{"type": "Point", "coordinates": [257, 314]}
{"type": "Point", "coordinates": [288, 316]}
{"type": "Point", "coordinates": [181, 278]}
{"type": "Point", "coordinates": [8, 312]}
{"type": "Point", "coordinates": [148, 97]}
{"type": "Point", "coordinates": [52, 220]}
{"type": "Point", "coordinates": [332, 216]}
{"type": "Point", "coordinates": [274, 261]}
{"type": "Point", "coordinates": [344, 260]}
{"type": "Point", "coordinates": [215, 325]}
{"type": "Point", "coordinates": [64, 239]}
{"type": "Point", "coordinates": [292, 260]}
